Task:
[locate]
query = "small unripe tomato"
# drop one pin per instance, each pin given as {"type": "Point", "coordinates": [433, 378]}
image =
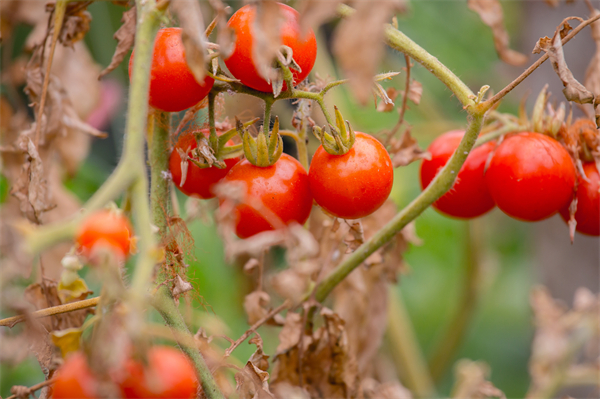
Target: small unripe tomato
{"type": "Point", "coordinates": [173, 86]}
{"type": "Point", "coordinates": [167, 374]}
{"type": "Point", "coordinates": [74, 379]}
{"type": "Point", "coordinates": [531, 176]}
{"type": "Point", "coordinates": [240, 63]}
{"type": "Point", "coordinates": [469, 196]}
{"type": "Point", "coordinates": [105, 228]}
{"type": "Point", "coordinates": [199, 182]}
{"type": "Point", "coordinates": [355, 184]}
{"type": "Point", "coordinates": [282, 189]}
{"type": "Point", "coordinates": [588, 202]}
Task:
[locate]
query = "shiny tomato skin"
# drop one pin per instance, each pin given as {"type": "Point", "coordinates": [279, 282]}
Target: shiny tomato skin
{"type": "Point", "coordinates": [469, 197]}
{"type": "Point", "coordinates": [355, 184]}
{"type": "Point", "coordinates": [588, 202]}
{"type": "Point", "coordinates": [282, 188]}
{"type": "Point", "coordinates": [531, 176]}
{"type": "Point", "coordinates": [240, 62]}
{"type": "Point", "coordinates": [168, 374]}
{"type": "Point", "coordinates": [199, 182]}
{"type": "Point", "coordinates": [74, 379]}
{"type": "Point", "coordinates": [105, 227]}
{"type": "Point", "coordinates": [173, 86]}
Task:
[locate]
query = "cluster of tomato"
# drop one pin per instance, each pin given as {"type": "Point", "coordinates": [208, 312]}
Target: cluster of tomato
{"type": "Point", "coordinates": [529, 176]}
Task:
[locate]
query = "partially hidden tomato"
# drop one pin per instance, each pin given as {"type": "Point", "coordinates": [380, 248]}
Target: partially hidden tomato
{"type": "Point", "coordinates": [105, 228]}
{"type": "Point", "coordinates": [173, 86]}
{"type": "Point", "coordinates": [355, 184]}
{"type": "Point", "coordinates": [74, 379]}
{"type": "Point", "coordinates": [531, 176]}
{"type": "Point", "coordinates": [167, 374]}
{"type": "Point", "coordinates": [240, 63]}
{"type": "Point", "coordinates": [588, 202]}
{"type": "Point", "coordinates": [198, 182]}
{"type": "Point", "coordinates": [469, 196]}
{"type": "Point", "coordinates": [276, 195]}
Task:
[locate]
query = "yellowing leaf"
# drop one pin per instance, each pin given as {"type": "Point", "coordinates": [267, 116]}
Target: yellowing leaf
{"type": "Point", "coordinates": [76, 290]}
{"type": "Point", "coordinates": [67, 341]}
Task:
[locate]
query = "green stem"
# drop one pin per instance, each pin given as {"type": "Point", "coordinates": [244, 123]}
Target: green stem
{"type": "Point", "coordinates": [438, 187]}
{"type": "Point", "coordinates": [147, 258]}
{"type": "Point", "coordinates": [213, 138]}
{"type": "Point", "coordinates": [408, 357]}
{"type": "Point", "coordinates": [326, 113]}
{"type": "Point", "coordinates": [163, 302]}
{"type": "Point", "coordinates": [301, 146]}
{"type": "Point", "coordinates": [159, 163]}
{"type": "Point", "coordinates": [267, 118]}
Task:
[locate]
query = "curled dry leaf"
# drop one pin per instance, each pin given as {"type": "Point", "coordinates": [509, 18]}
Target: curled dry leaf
{"type": "Point", "coordinates": [255, 304]}
{"type": "Point", "coordinates": [573, 91]}
{"type": "Point", "coordinates": [388, 390]}
{"type": "Point", "coordinates": [194, 40]}
{"type": "Point", "coordinates": [75, 26]}
{"type": "Point", "coordinates": [225, 35]}
{"type": "Point", "coordinates": [314, 12]}
{"type": "Point", "coordinates": [415, 91]}
{"type": "Point", "coordinates": [267, 38]}
{"type": "Point", "coordinates": [471, 381]}
{"type": "Point", "coordinates": [125, 36]}
{"type": "Point", "coordinates": [406, 150]}
{"type": "Point", "coordinates": [388, 106]}
{"type": "Point", "coordinates": [490, 12]}
{"type": "Point", "coordinates": [592, 74]}
{"type": "Point", "coordinates": [252, 382]}
{"type": "Point", "coordinates": [349, 41]}
{"type": "Point", "coordinates": [180, 287]}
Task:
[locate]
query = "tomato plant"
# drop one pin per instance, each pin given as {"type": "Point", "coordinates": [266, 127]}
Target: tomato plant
{"type": "Point", "coordinates": [355, 184]}
{"type": "Point", "coordinates": [588, 202]}
{"type": "Point", "coordinates": [199, 182]}
{"type": "Point", "coordinates": [74, 379]}
{"type": "Point", "coordinates": [105, 228]}
{"type": "Point", "coordinates": [173, 86]}
{"type": "Point", "coordinates": [240, 63]}
{"type": "Point", "coordinates": [277, 194]}
{"type": "Point", "coordinates": [531, 176]}
{"type": "Point", "coordinates": [469, 196]}
{"type": "Point", "coordinates": [168, 374]}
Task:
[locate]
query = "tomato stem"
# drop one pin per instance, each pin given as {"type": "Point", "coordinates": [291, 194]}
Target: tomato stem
{"type": "Point", "coordinates": [213, 138]}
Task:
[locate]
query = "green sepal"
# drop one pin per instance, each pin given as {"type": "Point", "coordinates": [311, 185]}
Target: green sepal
{"type": "Point", "coordinates": [263, 150]}
{"type": "Point", "coordinates": [233, 151]}
{"type": "Point", "coordinates": [228, 135]}
{"type": "Point", "coordinates": [340, 140]}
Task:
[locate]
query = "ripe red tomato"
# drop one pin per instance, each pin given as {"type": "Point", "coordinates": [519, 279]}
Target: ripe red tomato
{"type": "Point", "coordinates": [168, 374]}
{"type": "Point", "coordinates": [173, 86]}
{"type": "Point", "coordinates": [199, 181]}
{"type": "Point", "coordinates": [531, 176]}
{"type": "Point", "coordinates": [105, 227]}
{"type": "Point", "coordinates": [74, 379]}
{"type": "Point", "coordinates": [469, 197]}
{"type": "Point", "coordinates": [283, 190]}
{"type": "Point", "coordinates": [588, 202]}
{"type": "Point", "coordinates": [355, 184]}
{"type": "Point", "coordinates": [240, 62]}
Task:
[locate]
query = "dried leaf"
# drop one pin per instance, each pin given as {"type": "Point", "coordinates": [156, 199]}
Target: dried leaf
{"type": "Point", "coordinates": [194, 40]}
{"type": "Point", "coordinates": [181, 287]}
{"type": "Point", "coordinates": [125, 36]}
{"type": "Point", "coordinates": [367, 41]}
{"type": "Point", "coordinates": [406, 150]}
{"type": "Point", "coordinates": [471, 381]}
{"type": "Point", "coordinates": [38, 195]}
{"type": "Point", "coordinates": [355, 237]}
{"type": "Point", "coordinates": [75, 27]}
{"type": "Point", "coordinates": [388, 390]}
{"type": "Point", "coordinates": [490, 12]}
{"type": "Point", "coordinates": [415, 91]}
{"type": "Point", "coordinates": [592, 73]}
{"type": "Point", "coordinates": [255, 305]}
{"type": "Point", "coordinates": [77, 290]}
{"type": "Point", "coordinates": [67, 341]}
{"type": "Point", "coordinates": [314, 12]}
{"type": "Point", "coordinates": [266, 33]}
{"type": "Point", "coordinates": [388, 106]}
{"type": "Point", "coordinates": [225, 35]}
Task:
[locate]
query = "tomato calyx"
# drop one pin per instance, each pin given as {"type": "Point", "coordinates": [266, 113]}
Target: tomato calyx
{"type": "Point", "coordinates": [339, 141]}
{"type": "Point", "coordinates": [265, 149]}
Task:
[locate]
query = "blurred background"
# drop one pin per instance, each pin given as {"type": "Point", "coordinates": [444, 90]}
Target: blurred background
{"type": "Point", "coordinates": [513, 256]}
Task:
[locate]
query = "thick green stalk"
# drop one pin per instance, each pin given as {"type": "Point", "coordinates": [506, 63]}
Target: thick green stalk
{"type": "Point", "coordinates": [164, 303]}
{"type": "Point", "coordinates": [438, 187]}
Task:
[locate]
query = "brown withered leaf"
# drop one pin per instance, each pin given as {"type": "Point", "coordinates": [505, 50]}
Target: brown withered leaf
{"type": "Point", "coordinates": [125, 36]}
{"type": "Point", "coordinates": [388, 106]}
{"type": "Point", "coordinates": [355, 237]}
{"type": "Point", "coordinates": [313, 13]}
{"type": "Point", "coordinates": [253, 381]}
{"type": "Point", "coordinates": [490, 12]}
{"type": "Point", "coordinates": [573, 90]}
{"type": "Point", "coordinates": [267, 37]}
{"type": "Point", "coordinates": [255, 304]}
{"type": "Point", "coordinates": [75, 26]}
{"type": "Point", "coordinates": [38, 196]}
{"type": "Point", "coordinates": [415, 91]}
{"type": "Point", "coordinates": [406, 150]}
{"type": "Point", "coordinates": [367, 41]}
{"type": "Point", "coordinates": [592, 73]}
{"type": "Point", "coordinates": [225, 35]}
{"type": "Point", "coordinates": [471, 381]}
{"type": "Point", "coordinates": [388, 390]}
{"type": "Point", "coordinates": [194, 40]}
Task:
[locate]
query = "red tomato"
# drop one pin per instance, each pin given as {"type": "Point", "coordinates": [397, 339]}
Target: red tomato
{"type": "Point", "coordinates": [531, 176]}
{"type": "Point", "coordinates": [74, 379]}
{"type": "Point", "coordinates": [105, 227]}
{"type": "Point", "coordinates": [168, 374]}
{"type": "Point", "coordinates": [283, 190]}
{"type": "Point", "coordinates": [199, 181]}
{"type": "Point", "coordinates": [355, 184]}
{"type": "Point", "coordinates": [469, 197]}
{"type": "Point", "coordinates": [240, 62]}
{"type": "Point", "coordinates": [588, 202]}
{"type": "Point", "coordinates": [173, 86]}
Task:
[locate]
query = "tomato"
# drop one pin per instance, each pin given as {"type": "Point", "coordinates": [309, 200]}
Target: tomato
{"type": "Point", "coordinates": [531, 176]}
{"type": "Point", "coordinates": [173, 86]}
{"type": "Point", "coordinates": [74, 379]}
{"type": "Point", "coordinates": [469, 197]}
{"type": "Point", "coordinates": [240, 62]}
{"type": "Point", "coordinates": [105, 227]}
{"type": "Point", "coordinates": [355, 184]}
{"type": "Point", "coordinates": [168, 374]}
{"type": "Point", "coordinates": [283, 190]}
{"type": "Point", "coordinates": [199, 181]}
{"type": "Point", "coordinates": [588, 202]}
